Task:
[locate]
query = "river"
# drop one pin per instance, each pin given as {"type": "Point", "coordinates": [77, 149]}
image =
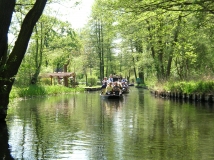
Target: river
{"type": "Point", "coordinates": [82, 126]}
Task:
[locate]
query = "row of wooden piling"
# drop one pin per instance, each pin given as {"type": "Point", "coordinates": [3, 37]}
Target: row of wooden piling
{"type": "Point", "coordinates": [186, 96]}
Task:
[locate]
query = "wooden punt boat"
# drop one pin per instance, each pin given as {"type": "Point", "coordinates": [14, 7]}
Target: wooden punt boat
{"type": "Point", "coordinates": [111, 96]}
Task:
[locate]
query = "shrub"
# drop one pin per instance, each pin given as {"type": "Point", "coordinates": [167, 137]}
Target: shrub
{"type": "Point", "coordinates": [37, 90]}
{"type": "Point", "coordinates": [45, 81]}
{"type": "Point", "coordinates": [190, 87]}
{"type": "Point", "coordinates": [92, 81]}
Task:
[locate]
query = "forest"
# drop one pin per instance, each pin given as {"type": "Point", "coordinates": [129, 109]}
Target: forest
{"type": "Point", "coordinates": [159, 41]}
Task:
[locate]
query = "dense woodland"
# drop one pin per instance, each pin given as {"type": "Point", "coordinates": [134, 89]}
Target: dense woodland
{"type": "Point", "coordinates": [155, 40]}
{"type": "Point", "coordinates": [152, 40]}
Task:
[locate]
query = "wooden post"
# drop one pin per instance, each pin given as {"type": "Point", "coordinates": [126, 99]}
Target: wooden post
{"type": "Point", "coordinates": [58, 79]}
{"type": "Point", "coordinates": [51, 79]}
{"type": "Point", "coordinates": [65, 81]}
{"type": "Point", "coordinates": [74, 77]}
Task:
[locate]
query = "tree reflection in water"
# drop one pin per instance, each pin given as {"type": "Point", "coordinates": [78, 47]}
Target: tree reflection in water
{"type": "Point", "coordinates": [111, 105]}
{"type": "Point", "coordinates": [84, 126]}
{"type": "Point", "coordinates": [4, 146]}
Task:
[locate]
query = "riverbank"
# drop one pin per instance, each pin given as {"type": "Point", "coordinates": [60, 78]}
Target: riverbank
{"type": "Point", "coordinates": [95, 88]}
{"type": "Point", "coordinates": [193, 91]}
{"type": "Point", "coordinates": [42, 90]}
{"type": "Point", "coordinates": [186, 96]}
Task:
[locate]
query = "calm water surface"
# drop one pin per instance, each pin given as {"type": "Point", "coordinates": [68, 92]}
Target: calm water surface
{"type": "Point", "coordinates": [84, 127]}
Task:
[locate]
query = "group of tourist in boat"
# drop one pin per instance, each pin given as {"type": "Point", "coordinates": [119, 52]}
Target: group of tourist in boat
{"type": "Point", "coordinates": [114, 85]}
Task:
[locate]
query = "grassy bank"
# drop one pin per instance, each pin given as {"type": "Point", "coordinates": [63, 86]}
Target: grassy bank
{"type": "Point", "coordinates": [206, 87]}
{"type": "Point", "coordinates": [34, 90]}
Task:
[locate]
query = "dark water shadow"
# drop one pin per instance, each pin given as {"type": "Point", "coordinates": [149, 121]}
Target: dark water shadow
{"type": "Point", "coordinates": [4, 145]}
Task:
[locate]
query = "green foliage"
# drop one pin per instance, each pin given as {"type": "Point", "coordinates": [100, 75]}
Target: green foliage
{"type": "Point", "coordinates": [190, 87]}
{"type": "Point", "coordinates": [37, 90]}
{"type": "Point", "coordinates": [31, 91]}
{"type": "Point", "coordinates": [156, 40]}
{"type": "Point", "coordinates": [204, 87]}
{"type": "Point", "coordinates": [52, 43]}
{"type": "Point", "coordinates": [126, 37]}
{"type": "Point", "coordinates": [92, 81]}
{"type": "Point", "coordinates": [45, 81]}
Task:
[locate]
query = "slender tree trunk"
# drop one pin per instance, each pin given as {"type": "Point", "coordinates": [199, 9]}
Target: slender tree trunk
{"type": "Point", "coordinates": [38, 56]}
{"type": "Point", "coordinates": [65, 78]}
{"type": "Point", "coordinates": [86, 79]}
{"type": "Point", "coordinates": [139, 49]}
{"type": "Point", "coordinates": [65, 69]}
{"type": "Point", "coordinates": [102, 48]}
{"type": "Point", "coordinates": [110, 61]}
{"type": "Point", "coordinates": [168, 69]}
{"type": "Point", "coordinates": [135, 72]}
{"type": "Point", "coordinates": [98, 36]}
{"type": "Point", "coordinates": [133, 60]}
{"type": "Point", "coordinates": [34, 77]}
{"type": "Point", "coordinates": [153, 52]}
{"type": "Point", "coordinates": [161, 71]}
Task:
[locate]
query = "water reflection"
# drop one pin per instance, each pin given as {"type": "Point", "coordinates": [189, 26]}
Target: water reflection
{"type": "Point", "coordinates": [84, 126]}
{"type": "Point", "coordinates": [4, 147]}
{"type": "Point", "coordinates": [112, 105]}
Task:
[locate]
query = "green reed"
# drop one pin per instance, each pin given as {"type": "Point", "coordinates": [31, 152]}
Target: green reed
{"type": "Point", "coordinates": [190, 87]}
{"type": "Point", "coordinates": [36, 90]}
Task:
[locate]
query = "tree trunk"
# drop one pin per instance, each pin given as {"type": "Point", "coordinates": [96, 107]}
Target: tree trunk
{"type": "Point", "coordinates": [86, 79]}
{"type": "Point", "coordinates": [141, 76]}
{"type": "Point", "coordinates": [10, 63]}
{"type": "Point", "coordinates": [102, 48]}
{"type": "Point", "coordinates": [38, 57]}
{"type": "Point", "coordinates": [4, 147]}
{"type": "Point", "coordinates": [99, 49]}
{"type": "Point", "coordinates": [6, 12]}
{"type": "Point", "coordinates": [65, 78]}
{"type": "Point", "coordinates": [133, 60]}
{"type": "Point", "coordinates": [177, 31]}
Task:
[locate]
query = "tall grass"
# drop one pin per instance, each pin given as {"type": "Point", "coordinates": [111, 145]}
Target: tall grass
{"type": "Point", "coordinates": [190, 87]}
{"type": "Point", "coordinates": [35, 90]}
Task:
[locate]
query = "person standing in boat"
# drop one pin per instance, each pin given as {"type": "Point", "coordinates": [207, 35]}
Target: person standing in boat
{"type": "Point", "coordinates": [104, 84]}
{"type": "Point", "coordinates": [110, 79]}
